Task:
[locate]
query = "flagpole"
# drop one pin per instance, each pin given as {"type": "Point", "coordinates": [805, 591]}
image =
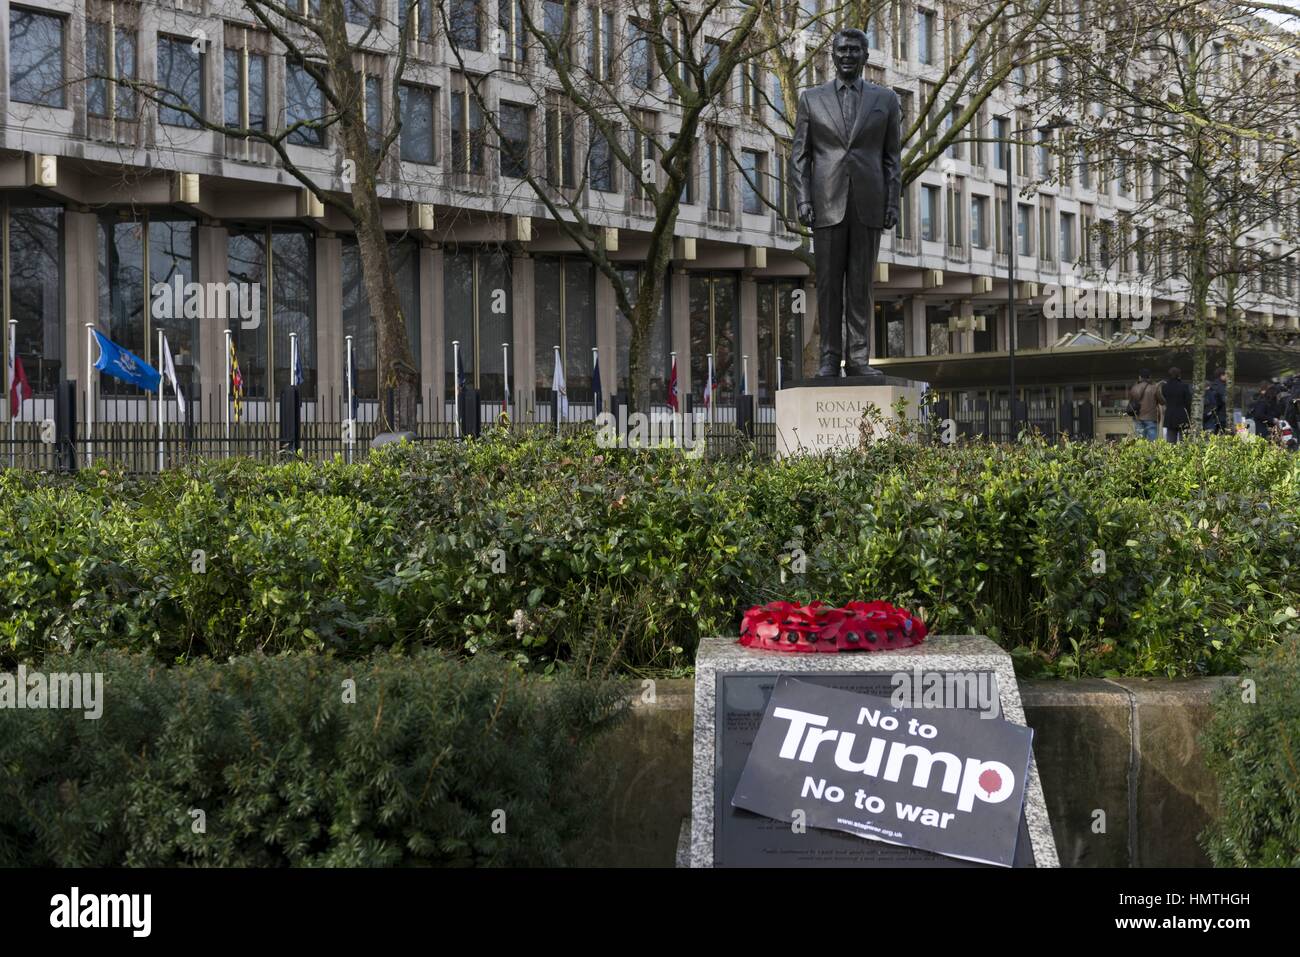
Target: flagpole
{"type": "Point", "coordinates": [226, 412]}
{"type": "Point", "coordinates": [352, 433]}
{"type": "Point", "coordinates": [505, 372]}
{"type": "Point", "coordinates": [708, 389]}
{"type": "Point", "coordinates": [160, 400]}
{"type": "Point", "coordinates": [595, 396]}
{"type": "Point", "coordinates": [555, 389]}
{"type": "Point", "coordinates": [90, 402]}
{"type": "Point", "coordinates": [13, 381]}
{"type": "Point", "coordinates": [455, 384]}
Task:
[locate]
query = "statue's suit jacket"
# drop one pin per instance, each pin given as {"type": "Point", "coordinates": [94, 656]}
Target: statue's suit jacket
{"type": "Point", "coordinates": [827, 157]}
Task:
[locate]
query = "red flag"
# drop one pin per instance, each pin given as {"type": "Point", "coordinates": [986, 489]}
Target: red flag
{"type": "Point", "coordinates": [19, 388]}
{"type": "Point", "coordinates": [672, 386]}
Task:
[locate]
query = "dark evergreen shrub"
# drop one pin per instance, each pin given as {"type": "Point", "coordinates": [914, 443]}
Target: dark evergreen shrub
{"type": "Point", "coordinates": [438, 762]}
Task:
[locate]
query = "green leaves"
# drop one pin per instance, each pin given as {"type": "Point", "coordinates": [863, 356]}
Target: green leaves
{"type": "Point", "coordinates": [1151, 558]}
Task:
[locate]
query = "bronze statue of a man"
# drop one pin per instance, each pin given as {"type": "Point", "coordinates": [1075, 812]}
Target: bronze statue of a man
{"type": "Point", "coordinates": [846, 159]}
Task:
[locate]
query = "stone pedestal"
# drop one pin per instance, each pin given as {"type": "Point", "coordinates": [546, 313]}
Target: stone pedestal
{"type": "Point", "coordinates": [732, 684]}
{"type": "Point", "coordinates": [823, 415]}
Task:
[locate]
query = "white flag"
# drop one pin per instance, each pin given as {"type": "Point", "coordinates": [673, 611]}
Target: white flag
{"type": "Point", "coordinates": [559, 386]}
{"type": "Point", "coordinates": [169, 371]}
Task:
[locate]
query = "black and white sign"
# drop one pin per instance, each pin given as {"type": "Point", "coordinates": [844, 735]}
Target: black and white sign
{"type": "Point", "coordinates": [940, 780]}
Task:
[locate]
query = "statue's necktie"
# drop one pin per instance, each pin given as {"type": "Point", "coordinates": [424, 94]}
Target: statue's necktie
{"type": "Point", "coordinates": [848, 107]}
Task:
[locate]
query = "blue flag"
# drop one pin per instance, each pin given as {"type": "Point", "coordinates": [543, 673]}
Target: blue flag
{"type": "Point", "coordinates": [125, 365]}
{"type": "Point", "coordinates": [462, 379]}
{"type": "Point", "coordinates": [296, 375]}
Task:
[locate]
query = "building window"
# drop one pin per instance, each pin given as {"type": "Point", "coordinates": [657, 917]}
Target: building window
{"type": "Point", "coordinates": [556, 28]}
{"type": "Point", "coordinates": [898, 28]}
{"type": "Point", "coordinates": [419, 133]}
{"type": "Point", "coordinates": [925, 36]}
{"type": "Point", "coordinates": [938, 340]}
{"type": "Point", "coordinates": [134, 257]}
{"type": "Point", "coordinates": [559, 147]}
{"type": "Point", "coordinates": [986, 339]}
{"type": "Point", "coordinates": [180, 81]}
{"type": "Point", "coordinates": [600, 161]}
{"type": "Point", "coordinates": [659, 339]}
{"type": "Point", "coordinates": [717, 174]}
{"type": "Point", "coordinates": [751, 87]}
{"type": "Point", "coordinates": [282, 260]}
{"type": "Point", "coordinates": [466, 133]}
{"type": "Point", "coordinates": [305, 104]}
{"type": "Point", "coordinates": [715, 328]}
{"type": "Point", "coordinates": [105, 96]}
{"type": "Point", "coordinates": [712, 57]}
{"type": "Point", "coordinates": [753, 168]}
{"type": "Point", "coordinates": [783, 186]}
{"type": "Point", "coordinates": [1002, 133]}
{"type": "Point", "coordinates": [643, 146]}
{"type": "Point", "coordinates": [33, 269]}
{"type": "Point", "coordinates": [360, 11]}
{"type": "Point", "coordinates": [1045, 155]}
{"type": "Point", "coordinates": [891, 330]}
{"type": "Point", "coordinates": [566, 317]}
{"type": "Point", "coordinates": [687, 196]}
{"type": "Point", "coordinates": [979, 222]}
{"type": "Point", "coordinates": [1085, 171]}
{"type": "Point", "coordinates": [244, 98]}
{"type": "Point", "coordinates": [374, 112]}
{"type": "Point", "coordinates": [36, 55]}
{"type": "Point", "coordinates": [1002, 224]}
{"type": "Point", "coordinates": [780, 336]}
{"type": "Point", "coordinates": [1067, 238]}
{"type": "Point", "coordinates": [465, 30]}
{"type": "Point", "coordinates": [514, 30]}
{"type": "Point", "coordinates": [421, 27]}
{"type": "Point", "coordinates": [640, 56]}
{"type": "Point", "coordinates": [357, 322]}
{"type": "Point", "coordinates": [600, 45]}
{"type": "Point", "coordinates": [1025, 229]}
{"type": "Point", "coordinates": [515, 140]}
{"type": "Point", "coordinates": [478, 298]}
{"type": "Point", "coordinates": [954, 228]}
{"type": "Point", "coordinates": [930, 213]}
{"type": "Point", "coordinates": [906, 215]}
{"type": "Point", "coordinates": [1046, 250]}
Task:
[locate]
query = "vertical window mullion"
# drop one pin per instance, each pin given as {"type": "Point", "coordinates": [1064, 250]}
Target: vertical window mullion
{"type": "Point", "coordinates": [475, 279]}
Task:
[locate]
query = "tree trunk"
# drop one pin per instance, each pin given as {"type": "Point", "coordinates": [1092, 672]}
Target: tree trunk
{"type": "Point", "coordinates": [396, 374]}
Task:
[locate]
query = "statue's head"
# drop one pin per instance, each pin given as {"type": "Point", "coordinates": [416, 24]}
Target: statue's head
{"type": "Point", "coordinates": [849, 51]}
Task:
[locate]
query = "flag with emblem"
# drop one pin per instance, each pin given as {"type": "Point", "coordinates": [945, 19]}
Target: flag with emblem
{"type": "Point", "coordinates": [236, 382]}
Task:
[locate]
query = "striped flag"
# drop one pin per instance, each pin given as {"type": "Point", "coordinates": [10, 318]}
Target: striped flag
{"type": "Point", "coordinates": [672, 386]}
{"type": "Point", "coordinates": [710, 385]}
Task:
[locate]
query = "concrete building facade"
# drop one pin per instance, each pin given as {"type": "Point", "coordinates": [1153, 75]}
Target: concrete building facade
{"type": "Point", "coordinates": [107, 199]}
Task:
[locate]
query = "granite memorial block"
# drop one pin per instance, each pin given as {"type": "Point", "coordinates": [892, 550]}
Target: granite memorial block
{"type": "Point", "coordinates": [733, 686]}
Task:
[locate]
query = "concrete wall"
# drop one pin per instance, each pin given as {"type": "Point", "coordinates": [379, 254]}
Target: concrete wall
{"type": "Point", "coordinates": [1121, 768]}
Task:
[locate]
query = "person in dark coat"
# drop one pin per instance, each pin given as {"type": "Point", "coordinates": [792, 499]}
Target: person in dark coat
{"type": "Point", "coordinates": [1262, 413]}
{"type": "Point", "coordinates": [1215, 414]}
{"type": "Point", "coordinates": [1177, 396]}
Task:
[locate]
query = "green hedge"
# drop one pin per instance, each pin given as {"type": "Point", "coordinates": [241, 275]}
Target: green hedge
{"type": "Point", "coordinates": [557, 552]}
{"type": "Point", "coordinates": [1253, 747]}
{"type": "Point", "coordinates": [416, 771]}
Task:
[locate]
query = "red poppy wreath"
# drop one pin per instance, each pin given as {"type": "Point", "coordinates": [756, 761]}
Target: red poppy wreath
{"type": "Point", "coordinates": [857, 626]}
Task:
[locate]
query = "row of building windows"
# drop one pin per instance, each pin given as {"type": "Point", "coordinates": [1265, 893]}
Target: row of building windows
{"type": "Point", "coordinates": [37, 54]}
{"type": "Point", "coordinates": [141, 259]}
